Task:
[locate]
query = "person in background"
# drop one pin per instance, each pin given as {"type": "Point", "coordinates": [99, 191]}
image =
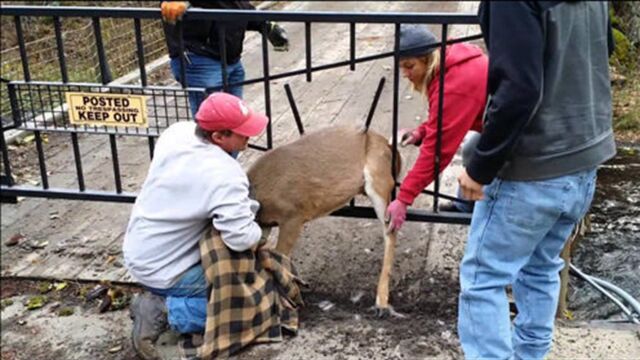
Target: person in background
{"type": "Point", "coordinates": [202, 45]}
{"type": "Point", "coordinates": [193, 183]}
{"type": "Point", "coordinates": [465, 89]}
{"type": "Point", "coordinates": [533, 172]}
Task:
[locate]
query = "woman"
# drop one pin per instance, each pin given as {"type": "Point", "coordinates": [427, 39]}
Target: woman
{"type": "Point", "coordinates": [465, 89]}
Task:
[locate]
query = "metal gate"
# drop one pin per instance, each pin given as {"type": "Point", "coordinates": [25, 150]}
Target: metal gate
{"type": "Point", "coordinates": [41, 106]}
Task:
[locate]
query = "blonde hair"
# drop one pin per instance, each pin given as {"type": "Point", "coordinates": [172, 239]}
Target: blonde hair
{"type": "Point", "coordinates": [433, 64]}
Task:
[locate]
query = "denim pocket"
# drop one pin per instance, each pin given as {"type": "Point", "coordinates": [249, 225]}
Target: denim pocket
{"type": "Point", "coordinates": [533, 204]}
{"type": "Point", "coordinates": [491, 191]}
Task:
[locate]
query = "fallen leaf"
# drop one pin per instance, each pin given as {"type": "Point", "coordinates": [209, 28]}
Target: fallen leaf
{"type": "Point", "coordinates": [96, 292]}
{"type": "Point", "coordinates": [105, 304]}
{"type": "Point", "coordinates": [28, 139]}
{"type": "Point", "coordinates": [45, 287]}
{"type": "Point", "coordinates": [60, 286]}
{"type": "Point", "coordinates": [39, 244]}
{"type": "Point", "coordinates": [110, 259]}
{"type": "Point", "coordinates": [65, 311]}
{"type": "Point", "coordinates": [568, 314]}
{"type": "Point", "coordinates": [115, 349]}
{"type": "Point", "coordinates": [14, 239]}
{"type": "Point", "coordinates": [36, 302]}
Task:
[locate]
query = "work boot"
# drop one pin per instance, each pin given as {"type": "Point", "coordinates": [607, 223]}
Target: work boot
{"type": "Point", "coordinates": [149, 314]}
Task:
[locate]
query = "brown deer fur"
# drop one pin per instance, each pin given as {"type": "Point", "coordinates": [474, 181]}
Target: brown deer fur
{"type": "Point", "coordinates": [320, 173]}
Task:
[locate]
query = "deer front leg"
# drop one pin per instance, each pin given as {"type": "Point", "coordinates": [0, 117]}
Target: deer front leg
{"type": "Point", "coordinates": [289, 232]}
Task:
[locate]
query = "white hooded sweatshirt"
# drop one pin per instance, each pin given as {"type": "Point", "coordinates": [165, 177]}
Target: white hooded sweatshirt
{"type": "Point", "coordinates": [190, 183]}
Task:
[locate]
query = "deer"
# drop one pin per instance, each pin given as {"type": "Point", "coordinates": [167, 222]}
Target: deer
{"type": "Point", "coordinates": [318, 174]}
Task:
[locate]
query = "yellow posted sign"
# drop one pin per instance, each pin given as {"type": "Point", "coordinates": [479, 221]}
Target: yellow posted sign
{"type": "Point", "coordinates": [107, 109]}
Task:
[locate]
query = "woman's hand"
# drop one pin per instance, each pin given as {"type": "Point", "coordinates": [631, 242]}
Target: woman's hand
{"type": "Point", "coordinates": [396, 214]}
{"type": "Point", "coordinates": [409, 137]}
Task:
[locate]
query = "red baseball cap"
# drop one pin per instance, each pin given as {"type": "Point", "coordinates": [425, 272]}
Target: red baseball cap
{"type": "Point", "coordinates": [222, 111]}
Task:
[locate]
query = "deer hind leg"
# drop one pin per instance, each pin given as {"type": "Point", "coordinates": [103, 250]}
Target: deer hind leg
{"type": "Point", "coordinates": [378, 186]}
{"type": "Point", "coordinates": [289, 232]}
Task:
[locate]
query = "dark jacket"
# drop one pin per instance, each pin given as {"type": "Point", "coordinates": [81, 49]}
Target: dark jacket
{"type": "Point", "coordinates": [549, 111]}
{"type": "Point", "coordinates": [201, 36]}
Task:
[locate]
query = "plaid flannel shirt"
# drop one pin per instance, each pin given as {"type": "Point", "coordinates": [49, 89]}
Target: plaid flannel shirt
{"type": "Point", "coordinates": [254, 296]}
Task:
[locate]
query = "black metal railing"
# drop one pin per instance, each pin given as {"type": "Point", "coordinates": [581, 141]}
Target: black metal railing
{"type": "Point", "coordinates": [39, 106]}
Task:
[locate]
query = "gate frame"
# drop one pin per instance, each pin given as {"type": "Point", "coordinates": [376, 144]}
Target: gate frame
{"type": "Point", "coordinates": [9, 190]}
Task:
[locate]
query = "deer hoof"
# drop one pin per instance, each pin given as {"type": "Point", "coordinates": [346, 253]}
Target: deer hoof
{"type": "Point", "coordinates": [386, 312]}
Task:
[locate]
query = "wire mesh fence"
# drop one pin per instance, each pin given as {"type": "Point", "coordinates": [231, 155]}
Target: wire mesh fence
{"type": "Point", "coordinates": [38, 110]}
{"type": "Point", "coordinates": [79, 45]}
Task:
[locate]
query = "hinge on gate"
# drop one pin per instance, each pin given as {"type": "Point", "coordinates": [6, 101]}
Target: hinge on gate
{"type": "Point", "coordinates": [7, 199]}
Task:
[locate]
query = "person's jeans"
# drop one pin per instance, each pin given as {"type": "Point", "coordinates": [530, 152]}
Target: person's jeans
{"type": "Point", "coordinates": [517, 233]}
{"type": "Point", "coordinates": [187, 301]}
{"type": "Point", "coordinates": [203, 71]}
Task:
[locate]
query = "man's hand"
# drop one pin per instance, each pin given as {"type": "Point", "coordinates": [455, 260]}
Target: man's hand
{"type": "Point", "coordinates": [470, 189]}
{"type": "Point", "coordinates": [408, 137]}
{"type": "Point", "coordinates": [267, 242]}
{"type": "Point", "coordinates": [172, 11]}
{"type": "Point", "coordinates": [278, 37]}
{"type": "Point", "coordinates": [396, 214]}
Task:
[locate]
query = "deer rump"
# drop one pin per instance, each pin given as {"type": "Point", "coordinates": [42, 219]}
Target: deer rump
{"type": "Point", "coordinates": [319, 173]}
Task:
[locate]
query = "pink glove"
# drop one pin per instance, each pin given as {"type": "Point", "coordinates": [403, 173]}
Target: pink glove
{"type": "Point", "coordinates": [396, 213]}
{"type": "Point", "coordinates": [408, 137]}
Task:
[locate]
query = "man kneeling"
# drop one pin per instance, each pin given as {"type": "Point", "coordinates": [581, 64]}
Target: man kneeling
{"type": "Point", "coordinates": [193, 182]}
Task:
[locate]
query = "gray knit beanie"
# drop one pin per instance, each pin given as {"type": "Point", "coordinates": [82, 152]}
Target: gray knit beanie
{"type": "Point", "coordinates": [414, 40]}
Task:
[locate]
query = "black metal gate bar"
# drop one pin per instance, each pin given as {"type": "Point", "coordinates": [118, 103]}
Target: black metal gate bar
{"type": "Point", "coordinates": [266, 82]}
{"type": "Point", "coordinates": [352, 45]}
{"type": "Point", "coordinates": [140, 51]}
{"type": "Point", "coordinates": [222, 30]}
{"type": "Point", "coordinates": [245, 15]}
{"type": "Point", "coordinates": [7, 177]}
{"type": "Point", "coordinates": [78, 160]}
{"type": "Point", "coordinates": [412, 215]}
{"type": "Point", "coordinates": [41, 160]}
{"type": "Point", "coordinates": [60, 45]}
{"type": "Point", "coordinates": [116, 163]}
{"type": "Point", "coordinates": [105, 73]}
{"type": "Point", "coordinates": [183, 63]}
{"type": "Point", "coordinates": [56, 193]}
{"type": "Point", "coordinates": [437, 160]}
{"type": "Point", "coordinates": [151, 147]}
{"type": "Point", "coordinates": [396, 90]}
{"type": "Point", "coordinates": [307, 48]}
{"type": "Point", "coordinates": [23, 49]}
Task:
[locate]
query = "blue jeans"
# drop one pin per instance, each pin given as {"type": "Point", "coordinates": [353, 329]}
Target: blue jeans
{"type": "Point", "coordinates": [187, 301]}
{"type": "Point", "coordinates": [517, 233]}
{"type": "Point", "coordinates": [205, 72]}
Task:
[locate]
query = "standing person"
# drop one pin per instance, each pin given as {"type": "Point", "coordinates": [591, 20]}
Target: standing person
{"type": "Point", "coordinates": [547, 128]}
{"type": "Point", "coordinates": [202, 45]}
{"type": "Point", "coordinates": [192, 183]}
{"type": "Point", "coordinates": [465, 93]}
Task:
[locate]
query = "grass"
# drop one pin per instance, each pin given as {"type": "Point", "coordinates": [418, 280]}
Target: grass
{"type": "Point", "coordinates": [626, 107]}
